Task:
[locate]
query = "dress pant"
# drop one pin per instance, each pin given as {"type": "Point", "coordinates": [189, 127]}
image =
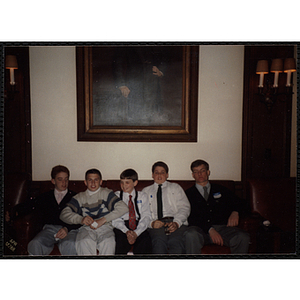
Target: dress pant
{"type": "Point", "coordinates": [167, 244]}
{"type": "Point", "coordinates": [237, 239]}
{"type": "Point", "coordinates": [142, 244]}
{"type": "Point", "coordinates": [43, 243]}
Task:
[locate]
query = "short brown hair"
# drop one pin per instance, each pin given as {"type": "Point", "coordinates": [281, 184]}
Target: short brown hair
{"type": "Point", "coordinates": [198, 163]}
{"type": "Point", "coordinates": [129, 174]}
{"type": "Point", "coordinates": [57, 169]}
{"type": "Point", "coordinates": [93, 171]}
{"type": "Point", "coordinates": [160, 164]}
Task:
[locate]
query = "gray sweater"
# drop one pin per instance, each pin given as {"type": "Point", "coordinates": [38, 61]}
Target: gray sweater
{"type": "Point", "coordinates": [104, 203]}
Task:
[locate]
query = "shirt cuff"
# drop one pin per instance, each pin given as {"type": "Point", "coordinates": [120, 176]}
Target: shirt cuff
{"type": "Point", "coordinates": [178, 222]}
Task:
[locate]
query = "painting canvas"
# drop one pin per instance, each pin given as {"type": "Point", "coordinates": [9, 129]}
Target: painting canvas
{"type": "Point", "coordinates": [137, 86]}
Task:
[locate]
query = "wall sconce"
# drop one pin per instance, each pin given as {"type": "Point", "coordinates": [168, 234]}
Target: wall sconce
{"type": "Point", "coordinates": [269, 91]}
{"type": "Point", "coordinates": [289, 68]}
{"type": "Point", "coordinates": [11, 64]}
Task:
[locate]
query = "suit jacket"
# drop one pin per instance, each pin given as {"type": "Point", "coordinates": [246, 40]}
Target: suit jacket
{"type": "Point", "coordinates": [48, 210]}
{"type": "Point", "coordinates": [216, 211]}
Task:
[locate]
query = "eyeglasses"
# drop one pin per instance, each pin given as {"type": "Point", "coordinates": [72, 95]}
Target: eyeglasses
{"type": "Point", "coordinates": [200, 171]}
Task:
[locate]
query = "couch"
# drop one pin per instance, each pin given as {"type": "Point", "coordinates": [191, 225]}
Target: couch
{"type": "Point", "coordinates": [25, 226]}
{"type": "Point", "coordinates": [273, 203]}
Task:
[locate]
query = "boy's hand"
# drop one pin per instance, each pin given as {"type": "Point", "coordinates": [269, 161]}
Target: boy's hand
{"type": "Point", "coordinates": [62, 233]}
{"type": "Point", "coordinates": [87, 220]}
{"type": "Point", "coordinates": [131, 237]}
{"type": "Point", "coordinates": [233, 219]}
{"type": "Point", "coordinates": [216, 237]}
{"type": "Point", "coordinates": [100, 223]}
{"type": "Point", "coordinates": [157, 224]}
{"type": "Point", "coordinates": [172, 226]}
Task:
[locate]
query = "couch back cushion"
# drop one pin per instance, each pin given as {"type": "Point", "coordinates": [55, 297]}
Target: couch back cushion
{"type": "Point", "coordinates": [77, 186]}
{"type": "Point", "coordinates": [275, 200]}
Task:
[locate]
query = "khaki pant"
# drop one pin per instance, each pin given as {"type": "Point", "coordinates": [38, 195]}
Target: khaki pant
{"type": "Point", "coordinates": [89, 240]}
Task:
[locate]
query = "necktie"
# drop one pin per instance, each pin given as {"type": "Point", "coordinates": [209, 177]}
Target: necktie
{"type": "Point", "coordinates": [205, 193]}
{"type": "Point", "coordinates": [159, 202]}
{"type": "Point", "coordinates": [132, 222]}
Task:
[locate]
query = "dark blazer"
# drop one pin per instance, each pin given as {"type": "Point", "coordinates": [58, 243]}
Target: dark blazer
{"type": "Point", "coordinates": [216, 211]}
{"type": "Point", "coordinates": [48, 210]}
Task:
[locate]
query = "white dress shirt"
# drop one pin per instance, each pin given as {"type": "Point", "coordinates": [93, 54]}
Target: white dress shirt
{"type": "Point", "coordinates": [175, 202]}
{"type": "Point", "coordinates": [60, 195]}
{"type": "Point", "coordinates": [144, 210]}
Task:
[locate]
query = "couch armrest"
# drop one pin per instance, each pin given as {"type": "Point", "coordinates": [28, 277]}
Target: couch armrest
{"type": "Point", "coordinates": [251, 224]}
{"type": "Point", "coordinates": [26, 227]}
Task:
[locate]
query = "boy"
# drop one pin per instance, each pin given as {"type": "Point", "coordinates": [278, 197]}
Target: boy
{"type": "Point", "coordinates": [94, 209]}
{"type": "Point", "coordinates": [167, 201]}
{"type": "Point", "coordinates": [131, 229]}
{"type": "Point", "coordinates": [48, 207]}
{"type": "Point", "coordinates": [215, 213]}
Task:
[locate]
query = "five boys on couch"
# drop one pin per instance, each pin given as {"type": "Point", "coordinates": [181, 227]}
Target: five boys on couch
{"type": "Point", "coordinates": [162, 219]}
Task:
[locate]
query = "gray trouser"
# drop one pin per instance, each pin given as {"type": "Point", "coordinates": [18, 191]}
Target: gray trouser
{"type": "Point", "coordinates": [233, 237]}
{"type": "Point", "coordinates": [89, 240]}
{"type": "Point", "coordinates": [167, 244]}
{"type": "Point", "coordinates": [43, 242]}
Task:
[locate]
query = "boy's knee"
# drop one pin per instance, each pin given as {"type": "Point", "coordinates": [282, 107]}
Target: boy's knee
{"type": "Point", "coordinates": [245, 237]}
{"type": "Point", "coordinates": [31, 247]}
{"type": "Point", "coordinates": [242, 237]}
{"type": "Point", "coordinates": [194, 240]}
{"type": "Point", "coordinates": [192, 233]}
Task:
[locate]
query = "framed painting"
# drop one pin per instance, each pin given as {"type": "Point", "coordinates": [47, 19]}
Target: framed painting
{"type": "Point", "coordinates": [137, 93]}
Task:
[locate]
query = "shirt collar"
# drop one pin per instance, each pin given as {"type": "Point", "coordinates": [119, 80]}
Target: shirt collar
{"type": "Point", "coordinates": [126, 195]}
{"type": "Point", "coordinates": [200, 187]}
{"type": "Point", "coordinates": [93, 193]}
{"type": "Point", "coordinates": [56, 192]}
{"type": "Point", "coordinates": [162, 184]}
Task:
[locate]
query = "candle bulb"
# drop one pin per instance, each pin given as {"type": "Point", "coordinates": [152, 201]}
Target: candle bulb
{"type": "Point", "coordinates": [289, 68]}
{"type": "Point", "coordinates": [288, 78]}
{"type": "Point", "coordinates": [276, 68]}
{"type": "Point", "coordinates": [261, 80]}
{"type": "Point", "coordinates": [12, 76]}
{"type": "Point", "coordinates": [276, 79]}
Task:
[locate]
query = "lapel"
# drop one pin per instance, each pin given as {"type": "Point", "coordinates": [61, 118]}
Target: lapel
{"type": "Point", "coordinates": [65, 199]}
{"type": "Point", "coordinates": [198, 194]}
{"type": "Point", "coordinates": [51, 201]}
{"type": "Point", "coordinates": [210, 196]}
{"type": "Point", "coordinates": [213, 191]}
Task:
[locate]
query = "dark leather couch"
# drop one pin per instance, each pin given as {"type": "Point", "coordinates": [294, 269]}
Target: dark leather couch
{"type": "Point", "coordinates": [25, 226]}
{"type": "Point", "coordinates": [273, 202]}
{"type": "Point", "coordinates": [17, 227]}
